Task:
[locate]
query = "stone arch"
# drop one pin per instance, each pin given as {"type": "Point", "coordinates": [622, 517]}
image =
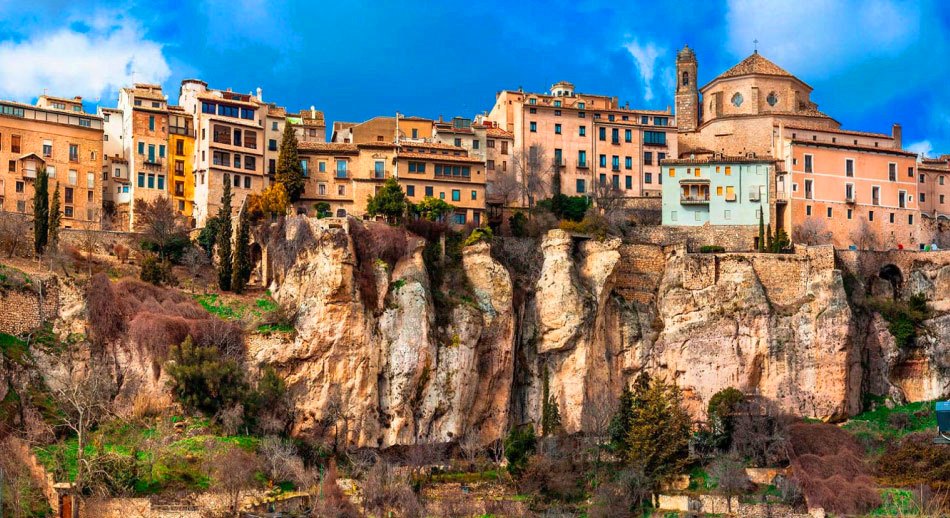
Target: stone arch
{"type": "Point", "coordinates": [685, 78]}
{"type": "Point", "coordinates": [892, 273]}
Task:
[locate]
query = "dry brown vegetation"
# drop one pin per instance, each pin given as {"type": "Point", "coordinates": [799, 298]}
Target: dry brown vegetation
{"type": "Point", "coordinates": [375, 241]}
{"type": "Point", "coordinates": [830, 467]}
{"type": "Point", "coordinates": [154, 318]}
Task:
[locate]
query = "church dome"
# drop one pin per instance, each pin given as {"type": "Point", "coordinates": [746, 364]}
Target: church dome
{"type": "Point", "coordinates": [686, 54]}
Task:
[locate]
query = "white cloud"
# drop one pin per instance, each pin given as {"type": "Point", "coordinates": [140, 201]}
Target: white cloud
{"type": "Point", "coordinates": [646, 58]}
{"type": "Point", "coordinates": [94, 57]}
{"type": "Point", "coordinates": [821, 37]}
{"type": "Point", "coordinates": [924, 148]}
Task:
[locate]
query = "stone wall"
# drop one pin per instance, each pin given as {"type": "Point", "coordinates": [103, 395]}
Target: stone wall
{"type": "Point", "coordinates": [27, 308]}
{"type": "Point", "coordinates": [639, 272]}
{"type": "Point", "coordinates": [906, 260]}
{"type": "Point", "coordinates": [103, 240]}
{"type": "Point", "coordinates": [734, 238]}
{"type": "Point", "coordinates": [783, 276]}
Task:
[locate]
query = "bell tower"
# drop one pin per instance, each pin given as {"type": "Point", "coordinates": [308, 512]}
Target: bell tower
{"type": "Point", "coordinates": [687, 91]}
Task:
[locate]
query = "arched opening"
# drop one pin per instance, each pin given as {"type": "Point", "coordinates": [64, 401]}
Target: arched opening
{"type": "Point", "coordinates": [341, 213]}
{"type": "Point", "coordinates": [685, 78]}
{"type": "Point", "coordinates": [892, 274]}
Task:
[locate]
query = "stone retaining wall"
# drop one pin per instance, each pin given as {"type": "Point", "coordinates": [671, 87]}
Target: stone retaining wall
{"type": "Point", "coordinates": [27, 308]}
{"type": "Point", "coordinates": [737, 238]}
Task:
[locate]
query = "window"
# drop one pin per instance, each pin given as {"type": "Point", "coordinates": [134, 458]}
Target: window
{"type": "Point", "coordinates": [850, 213]}
{"type": "Point", "coordinates": [458, 142]}
{"type": "Point", "coordinates": [247, 182]}
{"type": "Point", "coordinates": [654, 137]}
{"type": "Point", "coordinates": [849, 167]}
{"type": "Point", "coordinates": [12, 166]}
{"type": "Point", "coordinates": [849, 191]}
{"type": "Point", "coordinates": [504, 149]}
{"type": "Point", "coordinates": [19, 186]}
{"type": "Point", "coordinates": [228, 111]}
{"type": "Point", "coordinates": [628, 182]}
{"type": "Point", "coordinates": [875, 195]}
{"type": "Point", "coordinates": [428, 191]}
{"type": "Point", "coordinates": [90, 180]}
{"type": "Point", "coordinates": [458, 218]}
{"type": "Point", "coordinates": [808, 189]}
{"type": "Point", "coordinates": [891, 217]}
{"type": "Point", "coordinates": [475, 144]}
{"type": "Point", "coordinates": [580, 106]}
{"type": "Point", "coordinates": [808, 210]}
{"type": "Point", "coordinates": [71, 177]}
{"type": "Point", "coordinates": [910, 219]}
{"type": "Point", "coordinates": [557, 129]}
{"type": "Point", "coordinates": [490, 144]}
{"type": "Point", "coordinates": [247, 113]}
{"type": "Point", "coordinates": [615, 135]}
{"type": "Point", "coordinates": [161, 151]}
{"type": "Point", "coordinates": [415, 133]}
{"type": "Point", "coordinates": [581, 115]}
{"type": "Point", "coordinates": [151, 123]}
{"type": "Point", "coordinates": [221, 158]}
{"type": "Point", "coordinates": [220, 134]}
{"type": "Point", "coordinates": [207, 108]}
{"type": "Point", "coordinates": [892, 172]}
{"type": "Point", "coordinates": [615, 163]}
{"type": "Point", "coordinates": [923, 197]}
{"type": "Point", "coordinates": [809, 164]}
{"type": "Point", "coordinates": [15, 143]}
{"type": "Point", "coordinates": [341, 168]}
{"type": "Point", "coordinates": [68, 212]}
{"type": "Point", "coordinates": [534, 127]}
{"type": "Point", "coordinates": [672, 172]}
{"type": "Point", "coordinates": [532, 101]}
{"type": "Point", "coordinates": [615, 181]}
{"type": "Point", "coordinates": [250, 163]}
{"type": "Point", "coordinates": [829, 212]}
{"type": "Point", "coordinates": [661, 121]}
{"type": "Point", "coordinates": [557, 113]}
{"type": "Point", "coordinates": [179, 168]}
{"type": "Point", "coordinates": [47, 148]}
{"type": "Point", "coordinates": [729, 171]}
{"type": "Point", "coordinates": [474, 195]}
{"type": "Point", "coordinates": [644, 119]}
{"type": "Point", "coordinates": [602, 133]}
{"type": "Point", "coordinates": [490, 165]}
{"type": "Point", "coordinates": [628, 162]}
{"type": "Point", "coordinates": [910, 172]}
{"type": "Point", "coordinates": [150, 183]}
{"type": "Point", "coordinates": [237, 137]}
{"type": "Point", "coordinates": [582, 131]}
{"type": "Point", "coordinates": [627, 135]}
{"type": "Point", "coordinates": [250, 139]}
{"type": "Point", "coordinates": [456, 195]}
{"type": "Point", "coordinates": [141, 180]}
{"type": "Point", "coordinates": [580, 186]}
{"type": "Point", "coordinates": [341, 190]}
{"type": "Point", "coordinates": [322, 167]}
{"type": "Point", "coordinates": [603, 160]}
{"type": "Point", "coordinates": [582, 158]}
{"type": "Point", "coordinates": [161, 182]}
{"type": "Point", "coordinates": [73, 153]}
{"type": "Point", "coordinates": [870, 215]}
{"type": "Point", "coordinates": [648, 158]}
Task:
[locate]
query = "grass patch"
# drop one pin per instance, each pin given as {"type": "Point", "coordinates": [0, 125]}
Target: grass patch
{"type": "Point", "coordinates": [699, 480]}
{"type": "Point", "coordinates": [266, 329]}
{"type": "Point", "coordinates": [14, 349]}
{"type": "Point", "coordinates": [904, 317]}
{"type": "Point", "coordinates": [235, 308]}
{"type": "Point", "coordinates": [876, 427]}
{"type": "Point", "coordinates": [490, 475]}
{"type": "Point", "coordinates": [896, 502]}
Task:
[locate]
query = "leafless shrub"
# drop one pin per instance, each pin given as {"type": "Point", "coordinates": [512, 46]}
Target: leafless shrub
{"type": "Point", "coordinates": [554, 474]}
{"type": "Point", "coordinates": [121, 252]}
{"type": "Point", "coordinates": [231, 419]}
{"type": "Point", "coordinates": [455, 505]}
{"type": "Point", "coordinates": [104, 310]}
{"type": "Point", "coordinates": [225, 335]}
{"type": "Point", "coordinates": [155, 334]}
{"type": "Point", "coordinates": [280, 459]}
{"type": "Point", "coordinates": [385, 491]}
{"type": "Point", "coordinates": [232, 472]}
{"type": "Point", "coordinates": [146, 405]}
{"type": "Point", "coordinates": [729, 472]}
{"type": "Point", "coordinates": [812, 231]}
{"type": "Point", "coordinates": [195, 260]}
{"type": "Point", "coordinates": [20, 492]}
{"type": "Point", "coordinates": [760, 432]}
{"type": "Point", "coordinates": [332, 503]}
{"type": "Point", "coordinates": [864, 237]}
{"type": "Point", "coordinates": [15, 233]}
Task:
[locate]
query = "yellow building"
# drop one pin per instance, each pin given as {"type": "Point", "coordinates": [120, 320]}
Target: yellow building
{"type": "Point", "coordinates": [181, 167]}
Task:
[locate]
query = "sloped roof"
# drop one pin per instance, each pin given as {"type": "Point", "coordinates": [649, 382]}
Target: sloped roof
{"type": "Point", "coordinates": [755, 64]}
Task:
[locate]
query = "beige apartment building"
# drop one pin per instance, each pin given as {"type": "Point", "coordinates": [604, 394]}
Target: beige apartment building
{"type": "Point", "coordinates": [229, 145]}
{"type": "Point", "coordinates": [484, 140]}
{"type": "Point", "coordinates": [59, 135]}
{"type": "Point", "coordinates": [933, 176]}
{"type": "Point", "coordinates": [584, 138]}
{"type": "Point", "coordinates": [144, 135]}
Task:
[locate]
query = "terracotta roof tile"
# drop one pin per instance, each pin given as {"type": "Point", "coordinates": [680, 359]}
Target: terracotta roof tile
{"type": "Point", "coordinates": [838, 131]}
{"type": "Point", "coordinates": [327, 147]}
{"type": "Point", "coordinates": [499, 133]}
{"type": "Point", "coordinates": [431, 145]}
{"type": "Point", "coordinates": [440, 158]}
{"type": "Point", "coordinates": [884, 150]}
{"type": "Point", "coordinates": [755, 64]}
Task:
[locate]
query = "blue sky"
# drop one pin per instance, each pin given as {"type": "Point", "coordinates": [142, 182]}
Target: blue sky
{"type": "Point", "coordinates": [871, 62]}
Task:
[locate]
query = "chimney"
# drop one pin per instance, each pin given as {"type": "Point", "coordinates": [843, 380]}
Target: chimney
{"type": "Point", "coordinates": [896, 135]}
{"type": "Point", "coordinates": [260, 97]}
{"type": "Point", "coordinates": [313, 112]}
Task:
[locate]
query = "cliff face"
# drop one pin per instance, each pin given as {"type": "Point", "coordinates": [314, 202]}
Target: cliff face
{"type": "Point", "coordinates": [408, 370]}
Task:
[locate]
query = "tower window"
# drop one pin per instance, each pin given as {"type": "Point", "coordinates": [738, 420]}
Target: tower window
{"type": "Point", "coordinates": [685, 78]}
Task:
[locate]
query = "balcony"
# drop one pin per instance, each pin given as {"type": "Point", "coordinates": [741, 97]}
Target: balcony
{"type": "Point", "coordinates": [123, 198]}
{"type": "Point", "coordinates": [154, 162]}
{"type": "Point", "coordinates": [583, 164]}
{"type": "Point", "coordinates": [849, 198]}
{"type": "Point", "coordinates": [377, 175]}
{"type": "Point", "coordinates": [781, 197]}
{"type": "Point", "coordinates": [615, 141]}
{"type": "Point", "coordinates": [694, 199]}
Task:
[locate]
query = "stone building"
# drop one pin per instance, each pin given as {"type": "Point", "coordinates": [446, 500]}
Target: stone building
{"type": "Point", "coordinates": [59, 135]}
{"type": "Point", "coordinates": [581, 139]}
{"type": "Point", "coordinates": [229, 145]}
{"type": "Point", "coordinates": [144, 137]}
{"type": "Point", "coordinates": [934, 189]}
{"type": "Point", "coordinates": [851, 183]}
{"type": "Point", "coordinates": [484, 140]}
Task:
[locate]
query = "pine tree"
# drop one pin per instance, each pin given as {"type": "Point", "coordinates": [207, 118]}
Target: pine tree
{"type": "Point", "coordinates": [390, 201]}
{"type": "Point", "coordinates": [242, 255]}
{"type": "Point", "coordinates": [620, 422]}
{"type": "Point", "coordinates": [41, 211]}
{"type": "Point", "coordinates": [224, 237]}
{"type": "Point", "coordinates": [55, 213]}
{"type": "Point", "coordinates": [761, 231]}
{"type": "Point", "coordinates": [289, 173]}
{"type": "Point", "coordinates": [550, 415]}
{"type": "Point", "coordinates": [658, 437]}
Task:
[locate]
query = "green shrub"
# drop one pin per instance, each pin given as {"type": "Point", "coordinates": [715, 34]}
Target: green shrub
{"type": "Point", "coordinates": [519, 224]}
{"type": "Point", "coordinates": [519, 445]}
{"type": "Point", "coordinates": [904, 318]}
{"type": "Point", "coordinates": [204, 380]}
{"type": "Point", "coordinates": [570, 208]}
{"type": "Point", "coordinates": [322, 209]}
{"type": "Point", "coordinates": [711, 249]}
{"type": "Point", "coordinates": [478, 235]}
{"type": "Point", "coordinates": [156, 271]}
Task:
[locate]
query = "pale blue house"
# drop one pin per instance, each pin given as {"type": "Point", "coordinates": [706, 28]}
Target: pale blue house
{"type": "Point", "coordinates": [721, 191]}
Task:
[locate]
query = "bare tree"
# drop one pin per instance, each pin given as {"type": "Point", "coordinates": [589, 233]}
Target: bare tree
{"type": "Point", "coordinates": [83, 398]}
{"type": "Point", "coordinates": [159, 223]}
{"type": "Point", "coordinates": [232, 471]}
{"type": "Point", "coordinates": [760, 432]}
{"type": "Point", "coordinates": [812, 231]}
{"type": "Point", "coordinates": [608, 197]}
{"type": "Point", "coordinates": [337, 414]}
{"type": "Point", "coordinates": [15, 232]}
{"type": "Point", "coordinates": [532, 169]}
{"type": "Point", "coordinates": [729, 472]}
{"type": "Point", "coordinates": [595, 420]}
{"type": "Point", "coordinates": [469, 444]}
{"type": "Point", "coordinates": [280, 459]}
{"type": "Point", "coordinates": [504, 188]}
{"type": "Point", "coordinates": [864, 237]}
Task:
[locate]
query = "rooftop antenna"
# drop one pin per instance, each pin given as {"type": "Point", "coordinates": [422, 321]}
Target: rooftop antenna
{"type": "Point", "coordinates": [755, 42]}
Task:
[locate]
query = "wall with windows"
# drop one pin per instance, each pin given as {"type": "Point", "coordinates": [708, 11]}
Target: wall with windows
{"type": "Point", "coordinates": [331, 177]}
{"type": "Point", "coordinates": [933, 177]}
{"type": "Point", "coordinates": [697, 193]}
{"type": "Point", "coordinates": [181, 173]}
{"type": "Point", "coordinates": [848, 188]}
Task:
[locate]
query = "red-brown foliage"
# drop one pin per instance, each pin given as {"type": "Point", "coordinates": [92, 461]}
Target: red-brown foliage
{"type": "Point", "coordinates": [430, 230]}
{"type": "Point", "coordinates": [104, 310]}
{"type": "Point", "coordinates": [374, 241]}
{"type": "Point", "coordinates": [829, 464]}
{"type": "Point", "coordinates": [915, 460]}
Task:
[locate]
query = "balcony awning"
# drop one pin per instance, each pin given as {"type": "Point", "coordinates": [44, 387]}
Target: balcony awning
{"type": "Point", "coordinates": [695, 181]}
{"type": "Point", "coordinates": [32, 156]}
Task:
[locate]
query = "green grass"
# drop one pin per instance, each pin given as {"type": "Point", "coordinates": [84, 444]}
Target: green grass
{"type": "Point", "coordinates": [14, 349]}
{"type": "Point", "coordinates": [897, 502]}
{"type": "Point", "coordinates": [235, 309]}
{"type": "Point", "coordinates": [266, 329]}
{"type": "Point", "coordinates": [699, 480]}
{"type": "Point", "coordinates": [466, 478]}
{"type": "Point", "coordinates": [874, 426]}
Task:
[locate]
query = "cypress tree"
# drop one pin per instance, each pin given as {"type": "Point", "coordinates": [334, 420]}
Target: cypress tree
{"type": "Point", "coordinates": [40, 211]}
{"type": "Point", "coordinates": [242, 255]}
{"type": "Point", "coordinates": [224, 237]}
{"type": "Point", "coordinates": [289, 173]}
{"type": "Point", "coordinates": [55, 213]}
{"type": "Point", "coordinates": [761, 231]}
{"type": "Point", "coordinates": [550, 415]}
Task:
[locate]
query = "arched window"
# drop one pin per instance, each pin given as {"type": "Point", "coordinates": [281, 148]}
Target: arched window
{"type": "Point", "coordinates": [772, 99]}
{"type": "Point", "coordinates": [685, 78]}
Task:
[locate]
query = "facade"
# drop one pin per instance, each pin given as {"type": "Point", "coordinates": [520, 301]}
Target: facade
{"type": "Point", "coordinates": [445, 172]}
{"type": "Point", "coordinates": [933, 191]}
{"type": "Point", "coordinates": [144, 110]}
{"type": "Point", "coordinates": [274, 121]}
{"type": "Point", "coordinates": [721, 191]}
{"type": "Point", "coordinates": [484, 140]}
{"type": "Point", "coordinates": [181, 167]}
{"type": "Point", "coordinates": [229, 145]}
{"type": "Point", "coordinates": [116, 191]}
{"type": "Point", "coordinates": [582, 139]}
{"type": "Point", "coordinates": [329, 168]}
{"type": "Point", "coordinates": [59, 135]}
